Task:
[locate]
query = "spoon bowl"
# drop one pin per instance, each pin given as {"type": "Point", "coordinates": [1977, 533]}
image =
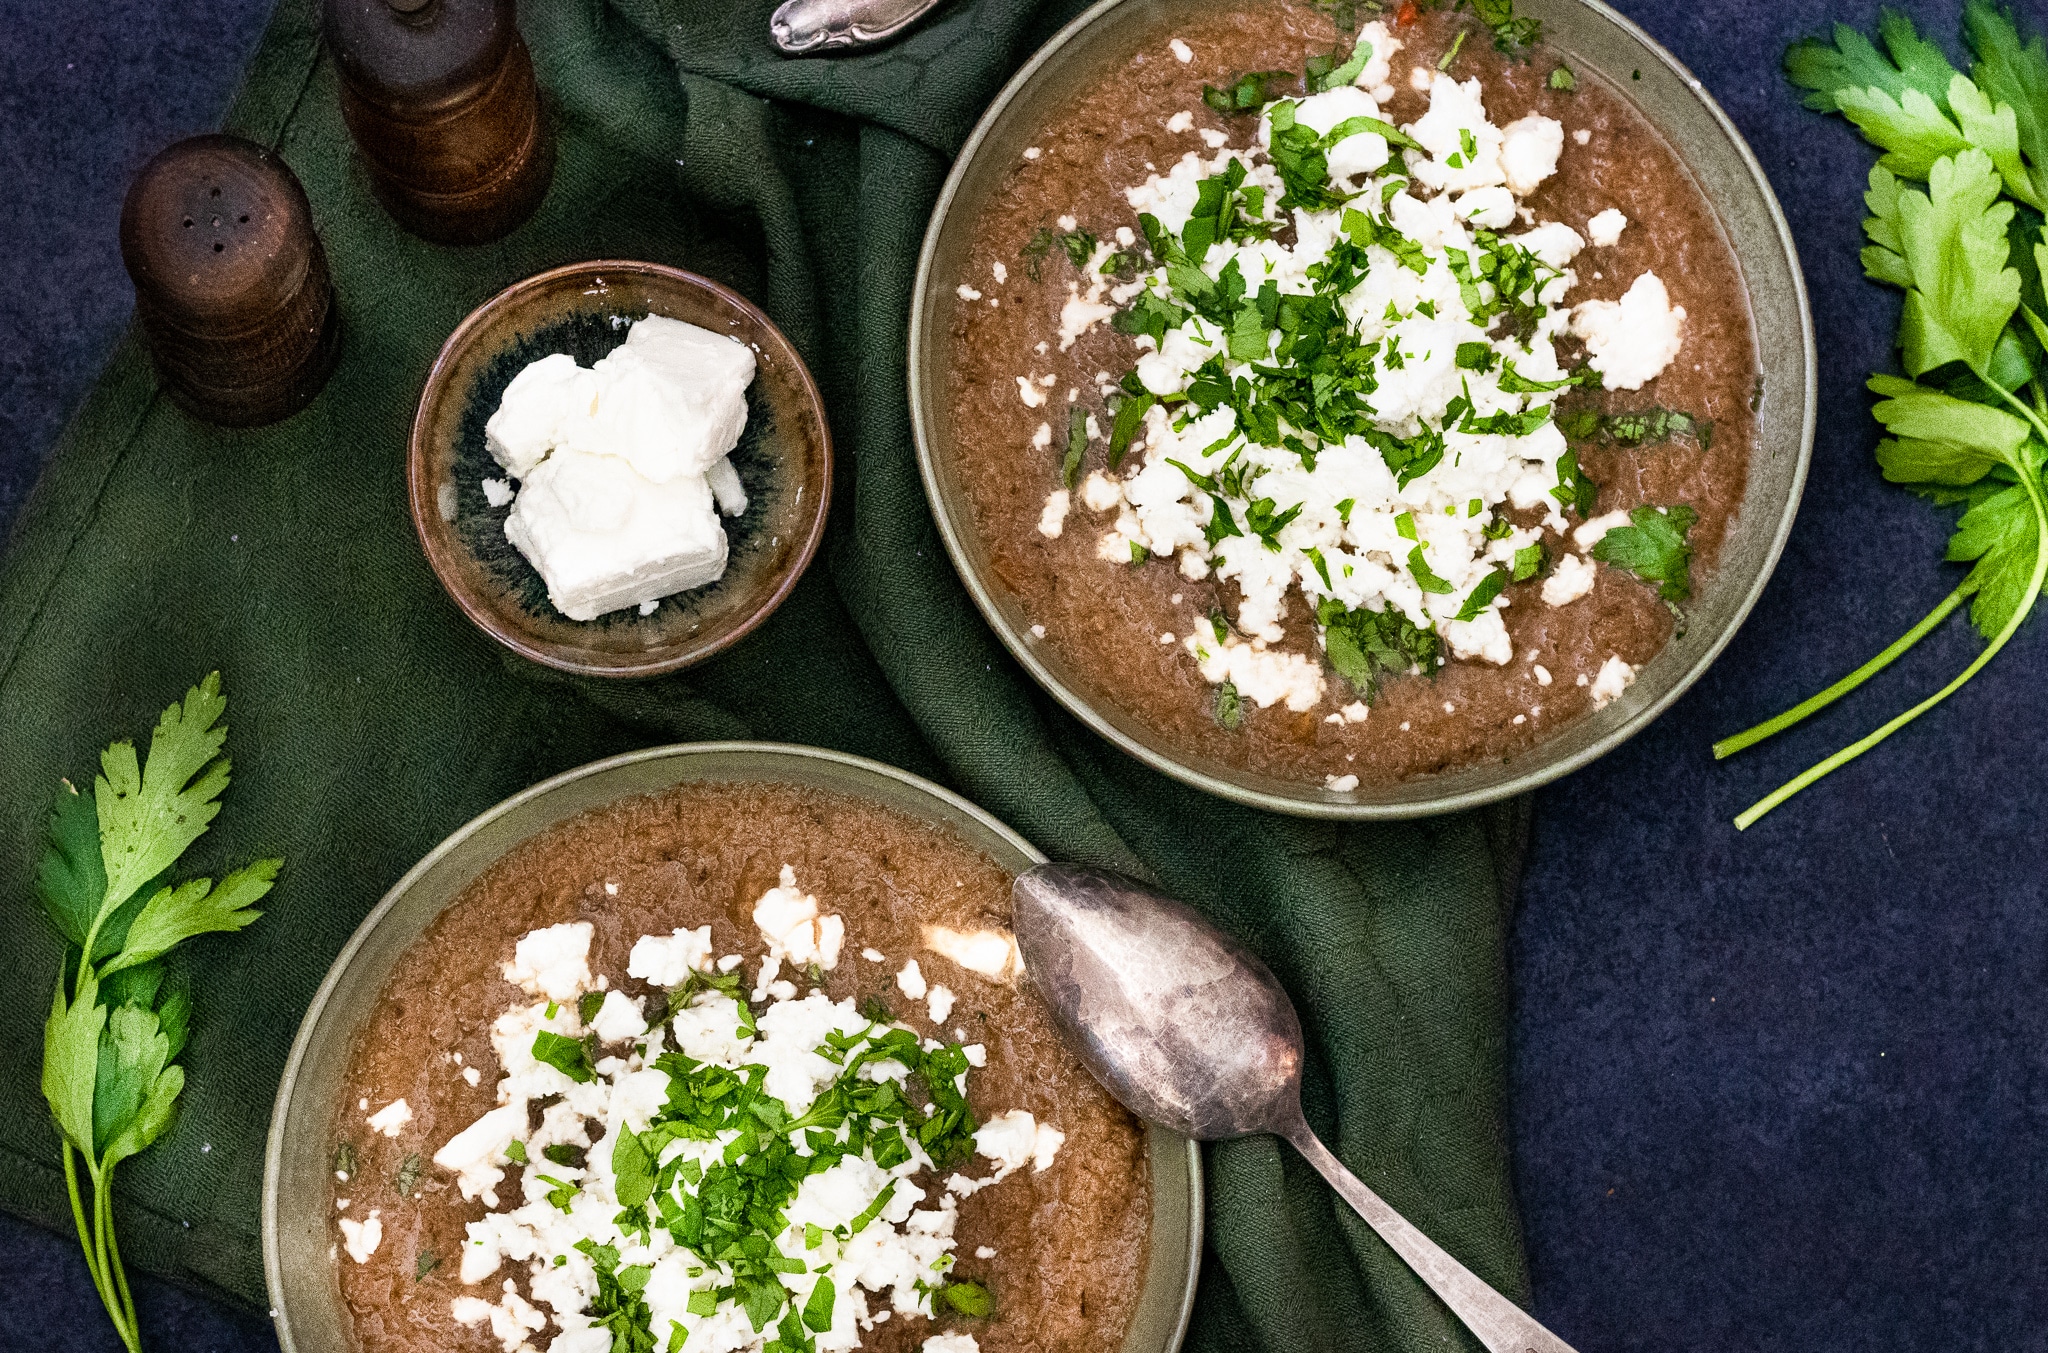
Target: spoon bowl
{"type": "Point", "coordinates": [1190, 1030]}
{"type": "Point", "coordinates": [1181, 1022]}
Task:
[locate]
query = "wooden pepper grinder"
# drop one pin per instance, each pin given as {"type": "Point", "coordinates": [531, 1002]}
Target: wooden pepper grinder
{"type": "Point", "coordinates": [441, 100]}
{"type": "Point", "coordinates": [231, 284]}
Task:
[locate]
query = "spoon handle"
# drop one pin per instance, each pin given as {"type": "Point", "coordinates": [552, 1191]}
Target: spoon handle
{"type": "Point", "coordinates": [1499, 1324]}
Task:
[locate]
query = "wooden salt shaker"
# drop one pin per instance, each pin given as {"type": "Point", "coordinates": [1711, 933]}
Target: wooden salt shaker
{"type": "Point", "coordinates": [231, 284]}
{"type": "Point", "coordinates": [441, 100]}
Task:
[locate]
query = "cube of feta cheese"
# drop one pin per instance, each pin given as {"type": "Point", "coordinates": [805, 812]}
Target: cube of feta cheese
{"type": "Point", "coordinates": [537, 411]}
{"type": "Point", "coordinates": [605, 537]}
{"type": "Point", "coordinates": [671, 400]}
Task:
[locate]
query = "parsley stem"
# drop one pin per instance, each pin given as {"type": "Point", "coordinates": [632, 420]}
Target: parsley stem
{"type": "Point", "coordinates": [1856, 749]}
{"type": "Point", "coordinates": [85, 1233]}
{"type": "Point", "coordinates": [1805, 709]}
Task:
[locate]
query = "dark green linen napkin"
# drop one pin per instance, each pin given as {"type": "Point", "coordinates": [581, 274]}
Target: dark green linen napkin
{"type": "Point", "coordinates": [369, 719]}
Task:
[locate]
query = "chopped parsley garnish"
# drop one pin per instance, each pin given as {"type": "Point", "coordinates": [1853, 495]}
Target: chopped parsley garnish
{"type": "Point", "coordinates": [1366, 646]}
{"type": "Point", "coordinates": [968, 1298]}
{"type": "Point", "coordinates": [1529, 561]}
{"type": "Point", "coordinates": [1077, 445]}
{"type": "Point", "coordinates": [1229, 705]}
{"type": "Point", "coordinates": [408, 1174]}
{"type": "Point", "coordinates": [1574, 489]}
{"type": "Point", "coordinates": [1637, 427]}
{"type": "Point", "coordinates": [1481, 596]}
{"type": "Point", "coordinates": [1424, 578]}
{"type": "Point", "coordinates": [1563, 80]}
{"type": "Point", "coordinates": [1247, 93]}
{"type": "Point", "coordinates": [427, 1263]}
{"type": "Point", "coordinates": [1654, 547]}
{"type": "Point", "coordinates": [570, 1056]}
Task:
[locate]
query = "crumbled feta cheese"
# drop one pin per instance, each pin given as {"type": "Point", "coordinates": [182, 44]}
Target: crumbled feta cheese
{"type": "Point", "coordinates": [1028, 391]}
{"type": "Point", "coordinates": [668, 960]}
{"type": "Point", "coordinates": [872, 955]}
{"type": "Point", "coordinates": [1589, 533]}
{"type": "Point", "coordinates": [512, 1319]}
{"type": "Point", "coordinates": [361, 1238]}
{"type": "Point", "coordinates": [1630, 341]}
{"type": "Point", "coordinates": [968, 293]}
{"type": "Point", "coordinates": [950, 1343]}
{"type": "Point", "coordinates": [1038, 631]}
{"type": "Point", "coordinates": [1542, 675]}
{"type": "Point", "coordinates": [984, 1252]}
{"type": "Point", "coordinates": [991, 953]}
{"type": "Point", "coordinates": [1529, 150]}
{"type": "Point", "coordinates": [1181, 51]}
{"type": "Point", "coordinates": [1582, 136]}
{"type": "Point", "coordinates": [472, 1154]}
{"type": "Point", "coordinates": [498, 492]}
{"type": "Point", "coordinates": [1570, 580]}
{"type": "Point", "coordinates": [472, 1076]}
{"type": "Point", "coordinates": [1355, 712]}
{"type": "Point", "coordinates": [1180, 122]}
{"type": "Point", "coordinates": [1032, 152]}
{"type": "Point", "coordinates": [790, 924]}
{"type": "Point", "coordinates": [1606, 227]}
{"type": "Point", "coordinates": [392, 1118]}
{"type": "Point", "coordinates": [1053, 520]}
{"type": "Point", "coordinates": [1100, 493]}
{"type": "Point", "coordinates": [1264, 676]}
{"type": "Point", "coordinates": [553, 962]}
{"type": "Point", "coordinates": [939, 1003]}
{"type": "Point", "coordinates": [1340, 784]}
{"type": "Point", "coordinates": [618, 1019]}
{"type": "Point", "coordinates": [1615, 676]}
{"type": "Point", "coordinates": [911, 981]}
{"type": "Point", "coordinates": [1213, 138]}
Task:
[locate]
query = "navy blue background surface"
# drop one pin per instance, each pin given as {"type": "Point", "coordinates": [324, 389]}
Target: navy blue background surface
{"type": "Point", "coordinates": [1777, 1090]}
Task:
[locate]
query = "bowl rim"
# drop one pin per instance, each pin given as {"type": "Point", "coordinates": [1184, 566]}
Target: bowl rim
{"type": "Point", "coordinates": [954, 533]}
{"type": "Point", "coordinates": [420, 493]}
{"type": "Point", "coordinates": [767, 754]}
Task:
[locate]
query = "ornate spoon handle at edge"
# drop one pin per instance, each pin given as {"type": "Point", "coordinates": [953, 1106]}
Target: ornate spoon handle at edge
{"type": "Point", "coordinates": [1497, 1322]}
{"type": "Point", "coordinates": [818, 26]}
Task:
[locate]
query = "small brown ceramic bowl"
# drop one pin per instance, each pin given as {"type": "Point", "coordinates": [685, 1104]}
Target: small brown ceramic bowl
{"type": "Point", "coordinates": [784, 459]}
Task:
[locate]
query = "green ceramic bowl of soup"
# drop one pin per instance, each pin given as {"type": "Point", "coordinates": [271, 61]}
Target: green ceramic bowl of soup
{"type": "Point", "coordinates": [996, 376]}
{"type": "Point", "coordinates": [1100, 1246]}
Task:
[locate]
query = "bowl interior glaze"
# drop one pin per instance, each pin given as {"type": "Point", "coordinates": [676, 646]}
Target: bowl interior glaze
{"type": "Point", "coordinates": [298, 1225]}
{"type": "Point", "coordinates": [1590, 37]}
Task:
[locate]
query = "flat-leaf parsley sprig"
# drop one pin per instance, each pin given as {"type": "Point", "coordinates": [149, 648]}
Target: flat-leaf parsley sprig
{"type": "Point", "coordinates": [1971, 426]}
{"type": "Point", "coordinates": [119, 1017]}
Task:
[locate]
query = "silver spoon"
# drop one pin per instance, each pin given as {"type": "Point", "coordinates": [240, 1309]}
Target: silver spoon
{"type": "Point", "coordinates": [818, 26]}
{"type": "Point", "coordinates": [1192, 1032]}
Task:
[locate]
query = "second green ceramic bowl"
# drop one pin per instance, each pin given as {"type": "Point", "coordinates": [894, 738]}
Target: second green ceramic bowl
{"type": "Point", "coordinates": [1590, 37]}
{"type": "Point", "coordinates": [298, 1219]}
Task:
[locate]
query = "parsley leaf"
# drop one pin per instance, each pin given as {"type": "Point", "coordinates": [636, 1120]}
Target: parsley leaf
{"type": "Point", "coordinates": [1574, 489]}
{"type": "Point", "coordinates": [1481, 596]}
{"type": "Point", "coordinates": [1529, 561]}
{"type": "Point", "coordinates": [1654, 547]}
{"type": "Point", "coordinates": [1077, 445]}
{"type": "Point", "coordinates": [2013, 74]}
{"type": "Point", "coordinates": [566, 1055]}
